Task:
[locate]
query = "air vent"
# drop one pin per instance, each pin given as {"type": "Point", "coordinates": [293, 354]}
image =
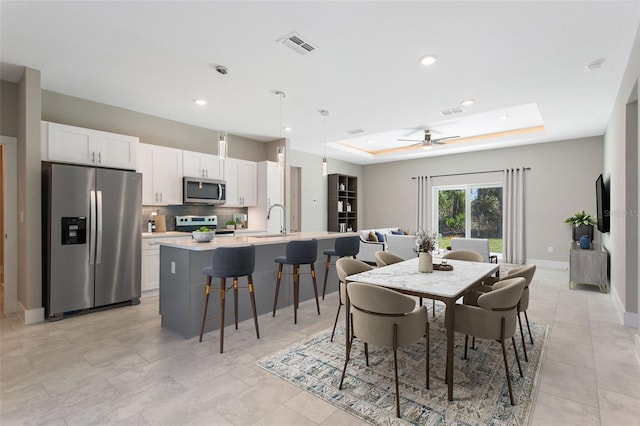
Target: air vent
{"type": "Point", "coordinates": [451, 111]}
{"type": "Point", "coordinates": [297, 43]}
{"type": "Point", "coordinates": [355, 131]}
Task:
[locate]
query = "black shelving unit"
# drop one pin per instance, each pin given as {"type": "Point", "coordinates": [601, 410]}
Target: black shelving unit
{"type": "Point", "coordinates": [342, 203]}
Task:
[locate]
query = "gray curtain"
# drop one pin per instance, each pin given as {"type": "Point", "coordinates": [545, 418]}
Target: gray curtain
{"type": "Point", "coordinates": [423, 203]}
{"type": "Point", "coordinates": [513, 219]}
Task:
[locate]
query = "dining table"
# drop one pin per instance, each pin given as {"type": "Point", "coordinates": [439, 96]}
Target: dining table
{"type": "Point", "coordinates": [447, 285]}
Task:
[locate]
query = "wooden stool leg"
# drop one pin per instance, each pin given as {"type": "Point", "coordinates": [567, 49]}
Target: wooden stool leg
{"type": "Point", "coordinates": [315, 287]}
{"type": "Point", "coordinates": [253, 304]}
{"type": "Point", "coordinates": [223, 292]}
{"type": "Point", "coordinates": [296, 291]}
{"type": "Point", "coordinates": [207, 290]}
{"type": "Point", "coordinates": [235, 299]}
{"type": "Point", "coordinates": [326, 273]}
{"type": "Point", "coordinates": [275, 301]}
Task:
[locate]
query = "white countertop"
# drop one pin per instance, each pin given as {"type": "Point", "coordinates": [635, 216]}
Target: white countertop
{"type": "Point", "coordinates": [174, 234]}
{"type": "Point", "coordinates": [240, 240]}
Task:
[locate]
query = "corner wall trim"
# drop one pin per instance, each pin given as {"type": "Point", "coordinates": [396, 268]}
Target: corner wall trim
{"type": "Point", "coordinates": [31, 316]}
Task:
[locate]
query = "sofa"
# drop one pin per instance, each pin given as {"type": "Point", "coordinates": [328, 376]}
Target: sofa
{"type": "Point", "coordinates": [402, 245]}
{"type": "Point", "coordinates": [369, 248]}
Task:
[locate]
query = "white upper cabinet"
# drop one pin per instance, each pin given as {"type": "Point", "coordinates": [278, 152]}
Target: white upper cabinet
{"type": "Point", "coordinates": [241, 179]}
{"type": "Point", "coordinates": [161, 169]}
{"type": "Point", "coordinates": [70, 144]}
{"type": "Point", "coordinates": [197, 164]}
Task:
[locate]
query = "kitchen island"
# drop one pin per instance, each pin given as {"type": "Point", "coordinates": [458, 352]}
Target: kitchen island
{"type": "Point", "coordinates": [182, 283]}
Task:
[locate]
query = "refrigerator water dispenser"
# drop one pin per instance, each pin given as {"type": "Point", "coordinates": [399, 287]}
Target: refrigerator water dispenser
{"type": "Point", "coordinates": [74, 230]}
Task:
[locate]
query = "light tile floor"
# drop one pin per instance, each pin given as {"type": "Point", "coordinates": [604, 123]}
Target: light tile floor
{"type": "Point", "coordinates": [119, 367]}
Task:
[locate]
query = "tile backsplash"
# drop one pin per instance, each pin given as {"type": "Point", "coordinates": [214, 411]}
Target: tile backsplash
{"type": "Point", "coordinates": [224, 214]}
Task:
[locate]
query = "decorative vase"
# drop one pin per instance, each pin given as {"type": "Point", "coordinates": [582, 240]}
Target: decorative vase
{"type": "Point", "coordinates": [425, 262]}
{"type": "Point", "coordinates": [585, 242]}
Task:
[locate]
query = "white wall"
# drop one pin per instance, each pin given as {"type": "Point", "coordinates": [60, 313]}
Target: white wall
{"type": "Point", "coordinates": [560, 183]}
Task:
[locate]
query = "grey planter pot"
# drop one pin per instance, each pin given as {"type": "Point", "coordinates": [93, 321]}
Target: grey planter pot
{"type": "Point", "coordinates": [579, 231]}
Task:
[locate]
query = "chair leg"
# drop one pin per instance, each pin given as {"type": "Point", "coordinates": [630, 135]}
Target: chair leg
{"type": "Point", "coordinates": [395, 367]}
{"type": "Point", "coordinates": [524, 346]}
{"type": "Point", "coordinates": [433, 315]}
{"type": "Point", "coordinates": [253, 304]}
{"type": "Point", "coordinates": [528, 328]}
{"type": "Point", "coordinates": [275, 301]}
{"type": "Point", "coordinates": [346, 361]}
{"type": "Point", "coordinates": [504, 358]}
{"type": "Point", "coordinates": [207, 290]}
{"type": "Point", "coordinates": [336, 322]}
{"type": "Point", "coordinates": [366, 353]}
{"type": "Point", "coordinates": [326, 274]}
{"type": "Point", "coordinates": [315, 286]}
{"type": "Point", "coordinates": [513, 340]}
{"type": "Point", "coordinates": [223, 292]}
{"type": "Point", "coordinates": [296, 291]}
{"type": "Point", "coordinates": [466, 343]}
{"type": "Point", "coordinates": [235, 300]}
{"type": "Point", "coordinates": [428, 344]}
{"type": "Point", "coordinates": [473, 343]}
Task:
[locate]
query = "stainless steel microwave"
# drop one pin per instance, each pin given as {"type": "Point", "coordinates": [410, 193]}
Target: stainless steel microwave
{"type": "Point", "coordinates": [203, 191]}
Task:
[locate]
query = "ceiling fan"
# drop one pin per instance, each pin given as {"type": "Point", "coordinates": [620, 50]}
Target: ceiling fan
{"type": "Point", "coordinates": [428, 141]}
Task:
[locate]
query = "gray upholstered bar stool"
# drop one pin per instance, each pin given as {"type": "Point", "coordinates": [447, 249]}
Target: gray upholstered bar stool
{"type": "Point", "coordinates": [298, 252]}
{"type": "Point", "coordinates": [230, 262]}
{"type": "Point", "coordinates": [344, 247]}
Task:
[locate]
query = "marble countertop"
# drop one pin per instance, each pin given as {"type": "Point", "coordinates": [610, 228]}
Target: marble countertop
{"type": "Point", "coordinates": [405, 276]}
{"type": "Point", "coordinates": [174, 234]}
{"type": "Point", "coordinates": [243, 240]}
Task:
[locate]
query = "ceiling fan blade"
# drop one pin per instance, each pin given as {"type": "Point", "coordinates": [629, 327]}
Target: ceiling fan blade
{"type": "Point", "coordinates": [410, 140]}
{"type": "Point", "coordinates": [441, 141]}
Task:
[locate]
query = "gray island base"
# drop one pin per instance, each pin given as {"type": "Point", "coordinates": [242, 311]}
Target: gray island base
{"type": "Point", "coordinates": [182, 283]}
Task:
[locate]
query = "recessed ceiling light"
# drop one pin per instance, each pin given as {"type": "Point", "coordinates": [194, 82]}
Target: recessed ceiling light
{"type": "Point", "coordinates": [468, 102]}
{"type": "Point", "coordinates": [200, 102]}
{"type": "Point", "coordinates": [595, 64]}
{"type": "Point", "coordinates": [428, 60]}
{"type": "Point", "coordinates": [504, 117]}
{"type": "Point", "coordinates": [287, 129]}
{"type": "Point", "coordinates": [369, 141]}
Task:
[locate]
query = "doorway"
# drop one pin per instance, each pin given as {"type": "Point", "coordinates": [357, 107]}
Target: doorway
{"type": "Point", "coordinates": [9, 224]}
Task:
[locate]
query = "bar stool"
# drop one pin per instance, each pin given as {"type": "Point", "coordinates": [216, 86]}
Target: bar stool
{"type": "Point", "coordinates": [344, 247]}
{"type": "Point", "coordinates": [298, 252]}
{"type": "Point", "coordinates": [230, 262]}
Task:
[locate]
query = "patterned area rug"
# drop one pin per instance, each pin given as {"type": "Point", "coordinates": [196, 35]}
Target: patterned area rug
{"type": "Point", "coordinates": [481, 396]}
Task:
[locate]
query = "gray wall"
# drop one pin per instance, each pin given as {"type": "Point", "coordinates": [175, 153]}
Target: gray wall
{"type": "Point", "coordinates": [560, 183]}
{"type": "Point", "coordinates": [8, 108]}
{"type": "Point", "coordinates": [65, 109]}
{"type": "Point", "coordinates": [620, 170]}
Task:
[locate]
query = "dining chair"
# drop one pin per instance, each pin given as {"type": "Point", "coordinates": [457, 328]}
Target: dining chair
{"type": "Point", "coordinates": [343, 247]}
{"type": "Point", "coordinates": [468, 255]}
{"type": "Point", "coordinates": [346, 266]}
{"type": "Point", "coordinates": [494, 318]}
{"type": "Point", "coordinates": [230, 262]}
{"type": "Point", "coordinates": [384, 317]}
{"type": "Point", "coordinates": [384, 258]}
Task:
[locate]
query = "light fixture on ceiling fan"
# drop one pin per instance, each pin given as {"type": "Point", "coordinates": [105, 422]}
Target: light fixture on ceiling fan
{"type": "Point", "coordinates": [427, 142]}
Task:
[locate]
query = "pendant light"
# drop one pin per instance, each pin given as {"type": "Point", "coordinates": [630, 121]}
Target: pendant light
{"type": "Point", "coordinates": [325, 163]}
{"type": "Point", "coordinates": [222, 138]}
{"type": "Point", "coordinates": [280, 151]}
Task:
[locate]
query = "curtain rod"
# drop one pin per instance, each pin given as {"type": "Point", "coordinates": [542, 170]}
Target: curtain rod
{"type": "Point", "coordinates": [468, 173]}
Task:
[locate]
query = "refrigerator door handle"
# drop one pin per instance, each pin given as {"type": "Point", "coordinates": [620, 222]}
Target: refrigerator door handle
{"type": "Point", "coordinates": [99, 228]}
{"type": "Point", "coordinates": [92, 227]}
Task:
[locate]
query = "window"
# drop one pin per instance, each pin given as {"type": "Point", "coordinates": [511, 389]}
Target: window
{"type": "Point", "coordinates": [469, 211]}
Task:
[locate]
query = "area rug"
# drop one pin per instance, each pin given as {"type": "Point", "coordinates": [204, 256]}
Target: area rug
{"type": "Point", "coordinates": [481, 396]}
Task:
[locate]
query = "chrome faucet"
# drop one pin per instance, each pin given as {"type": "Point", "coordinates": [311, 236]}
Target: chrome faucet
{"type": "Point", "coordinates": [284, 219]}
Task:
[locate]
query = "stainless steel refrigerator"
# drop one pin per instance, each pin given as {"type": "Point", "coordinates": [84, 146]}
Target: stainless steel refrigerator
{"type": "Point", "coordinates": [91, 238]}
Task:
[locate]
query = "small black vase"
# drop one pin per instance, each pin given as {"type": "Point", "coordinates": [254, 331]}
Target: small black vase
{"type": "Point", "coordinates": [580, 230]}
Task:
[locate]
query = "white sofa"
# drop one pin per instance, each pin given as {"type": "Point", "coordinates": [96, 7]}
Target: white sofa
{"type": "Point", "coordinates": [368, 248]}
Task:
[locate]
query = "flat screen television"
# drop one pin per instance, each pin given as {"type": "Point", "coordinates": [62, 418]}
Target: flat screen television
{"type": "Point", "coordinates": [602, 205]}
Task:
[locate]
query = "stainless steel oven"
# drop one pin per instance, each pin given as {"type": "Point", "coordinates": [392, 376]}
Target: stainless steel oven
{"type": "Point", "coordinates": [203, 191]}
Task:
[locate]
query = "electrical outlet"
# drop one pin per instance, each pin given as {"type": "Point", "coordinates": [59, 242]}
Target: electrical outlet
{"type": "Point", "coordinates": [173, 267]}
{"type": "Point", "coordinates": [550, 249]}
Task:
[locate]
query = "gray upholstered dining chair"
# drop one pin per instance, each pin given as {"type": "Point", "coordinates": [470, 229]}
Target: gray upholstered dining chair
{"type": "Point", "coordinates": [346, 266]}
{"type": "Point", "coordinates": [468, 255]}
{"type": "Point", "coordinates": [494, 318]}
{"type": "Point", "coordinates": [384, 258]}
{"type": "Point", "coordinates": [526, 272]}
{"type": "Point", "coordinates": [384, 317]}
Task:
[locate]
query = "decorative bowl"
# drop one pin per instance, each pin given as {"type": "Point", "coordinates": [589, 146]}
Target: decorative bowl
{"type": "Point", "coordinates": [202, 237]}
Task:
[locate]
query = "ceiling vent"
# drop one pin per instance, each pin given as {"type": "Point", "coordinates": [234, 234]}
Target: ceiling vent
{"type": "Point", "coordinates": [451, 111]}
{"type": "Point", "coordinates": [355, 131]}
{"type": "Point", "coordinates": [297, 43]}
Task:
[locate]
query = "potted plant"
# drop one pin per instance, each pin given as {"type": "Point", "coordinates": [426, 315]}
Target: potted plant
{"type": "Point", "coordinates": [231, 224]}
{"type": "Point", "coordinates": [238, 222]}
{"type": "Point", "coordinates": [581, 224]}
{"type": "Point", "coordinates": [425, 244]}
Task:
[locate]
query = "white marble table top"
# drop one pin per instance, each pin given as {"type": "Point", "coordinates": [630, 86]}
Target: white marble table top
{"type": "Point", "coordinates": [446, 284]}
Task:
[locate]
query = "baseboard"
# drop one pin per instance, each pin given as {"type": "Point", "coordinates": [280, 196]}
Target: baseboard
{"type": "Point", "coordinates": [631, 319]}
{"type": "Point", "coordinates": [30, 316]}
{"type": "Point", "coordinates": [150, 293]}
{"type": "Point", "coordinates": [628, 319]}
{"type": "Point", "coordinates": [636, 338]}
{"type": "Point", "coordinates": [551, 264]}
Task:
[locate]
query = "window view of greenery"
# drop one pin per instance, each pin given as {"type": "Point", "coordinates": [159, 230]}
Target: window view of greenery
{"type": "Point", "coordinates": [474, 212]}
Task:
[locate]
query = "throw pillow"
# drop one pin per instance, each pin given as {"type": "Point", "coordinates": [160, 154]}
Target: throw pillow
{"type": "Point", "coordinates": [372, 237]}
{"type": "Point", "coordinates": [398, 232]}
{"type": "Point", "coordinates": [406, 232]}
{"type": "Point", "coordinates": [380, 237]}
